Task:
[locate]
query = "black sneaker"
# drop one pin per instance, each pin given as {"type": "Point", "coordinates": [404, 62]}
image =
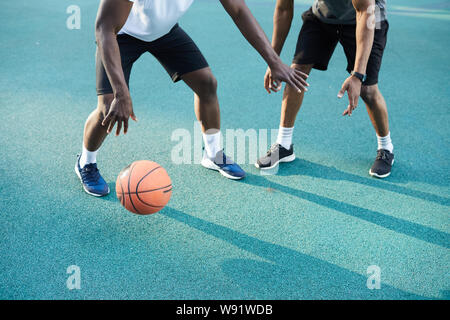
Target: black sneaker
{"type": "Point", "coordinates": [276, 154]}
{"type": "Point", "coordinates": [383, 163]}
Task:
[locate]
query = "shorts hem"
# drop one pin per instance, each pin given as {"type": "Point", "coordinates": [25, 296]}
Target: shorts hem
{"type": "Point", "coordinates": [316, 66]}
{"type": "Point", "coordinates": [104, 92]}
{"type": "Point", "coordinates": [177, 76]}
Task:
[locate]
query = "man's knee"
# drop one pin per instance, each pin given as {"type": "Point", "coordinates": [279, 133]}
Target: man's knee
{"type": "Point", "coordinates": [207, 87]}
{"type": "Point", "coordinates": [370, 94]}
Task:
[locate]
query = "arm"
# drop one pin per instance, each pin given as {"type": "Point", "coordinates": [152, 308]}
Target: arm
{"type": "Point", "coordinates": [111, 16]}
{"type": "Point", "coordinates": [282, 20]}
{"type": "Point", "coordinates": [365, 32]}
{"type": "Point", "coordinates": [364, 41]}
{"type": "Point", "coordinates": [251, 30]}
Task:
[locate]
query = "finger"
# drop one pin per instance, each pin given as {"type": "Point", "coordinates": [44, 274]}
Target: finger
{"type": "Point", "coordinates": [342, 92]}
{"type": "Point", "coordinates": [301, 74]}
{"type": "Point", "coordinates": [119, 127]}
{"type": "Point", "coordinates": [273, 84]}
{"type": "Point", "coordinates": [298, 85]}
{"type": "Point", "coordinates": [133, 116]}
{"type": "Point", "coordinates": [355, 102]}
{"type": "Point", "coordinates": [345, 112]}
{"type": "Point", "coordinates": [267, 83]}
{"type": "Point", "coordinates": [111, 124]}
{"type": "Point", "coordinates": [293, 85]}
{"type": "Point", "coordinates": [276, 85]}
{"type": "Point", "coordinates": [107, 119]}
{"type": "Point", "coordinates": [125, 126]}
{"type": "Point", "coordinates": [349, 110]}
{"type": "Point", "coordinates": [302, 81]}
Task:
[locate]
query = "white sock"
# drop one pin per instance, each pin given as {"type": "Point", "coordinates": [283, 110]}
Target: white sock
{"type": "Point", "coordinates": [212, 144]}
{"type": "Point", "coordinates": [87, 157]}
{"type": "Point", "coordinates": [385, 143]}
{"type": "Point", "coordinates": [285, 137]}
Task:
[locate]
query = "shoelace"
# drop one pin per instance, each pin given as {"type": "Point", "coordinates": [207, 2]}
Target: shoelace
{"type": "Point", "coordinates": [272, 149]}
{"type": "Point", "coordinates": [382, 155]}
{"type": "Point", "coordinates": [90, 173]}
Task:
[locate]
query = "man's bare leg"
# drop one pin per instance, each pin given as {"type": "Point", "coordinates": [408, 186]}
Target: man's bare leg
{"type": "Point", "coordinates": [291, 104]}
{"type": "Point", "coordinates": [94, 132]}
{"type": "Point", "coordinates": [377, 110]}
{"type": "Point", "coordinates": [94, 135]}
{"type": "Point", "coordinates": [292, 100]}
{"type": "Point", "coordinates": [207, 110]}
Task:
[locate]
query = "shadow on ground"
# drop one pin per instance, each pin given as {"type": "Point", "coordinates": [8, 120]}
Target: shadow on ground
{"type": "Point", "coordinates": [290, 274]}
{"type": "Point", "coordinates": [389, 222]}
{"type": "Point", "coordinates": [307, 168]}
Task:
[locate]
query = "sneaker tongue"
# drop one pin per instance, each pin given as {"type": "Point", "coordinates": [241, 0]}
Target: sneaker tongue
{"type": "Point", "coordinates": [222, 159]}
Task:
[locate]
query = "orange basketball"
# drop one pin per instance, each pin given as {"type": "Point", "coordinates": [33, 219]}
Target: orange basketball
{"type": "Point", "coordinates": [143, 187]}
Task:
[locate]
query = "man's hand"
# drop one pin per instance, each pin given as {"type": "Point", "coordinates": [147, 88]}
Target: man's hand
{"type": "Point", "coordinates": [353, 87]}
{"type": "Point", "coordinates": [252, 31]}
{"type": "Point", "coordinates": [281, 72]}
{"type": "Point", "coordinates": [120, 111]}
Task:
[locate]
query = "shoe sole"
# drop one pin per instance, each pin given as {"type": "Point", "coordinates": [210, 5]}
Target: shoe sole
{"type": "Point", "coordinates": [285, 159]}
{"type": "Point", "coordinates": [381, 176]}
{"type": "Point", "coordinates": [223, 173]}
{"type": "Point", "coordinates": [84, 188]}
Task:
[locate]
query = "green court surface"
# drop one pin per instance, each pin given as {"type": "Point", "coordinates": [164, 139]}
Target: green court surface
{"type": "Point", "coordinates": [309, 232]}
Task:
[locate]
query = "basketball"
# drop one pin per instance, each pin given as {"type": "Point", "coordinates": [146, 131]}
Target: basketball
{"type": "Point", "coordinates": [143, 187]}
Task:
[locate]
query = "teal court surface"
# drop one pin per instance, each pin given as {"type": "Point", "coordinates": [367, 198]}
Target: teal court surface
{"type": "Point", "coordinates": [310, 232]}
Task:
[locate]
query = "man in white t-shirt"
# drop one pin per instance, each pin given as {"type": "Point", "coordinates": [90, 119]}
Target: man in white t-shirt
{"type": "Point", "coordinates": [125, 29]}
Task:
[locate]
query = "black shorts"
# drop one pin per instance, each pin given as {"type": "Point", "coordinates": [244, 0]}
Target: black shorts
{"type": "Point", "coordinates": [176, 52]}
{"type": "Point", "coordinates": [317, 41]}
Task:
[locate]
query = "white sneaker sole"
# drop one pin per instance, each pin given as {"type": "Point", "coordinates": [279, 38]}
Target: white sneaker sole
{"type": "Point", "coordinates": [285, 159]}
{"type": "Point", "coordinates": [381, 176]}
{"type": "Point", "coordinates": [208, 164]}
{"type": "Point", "coordinates": [84, 188]}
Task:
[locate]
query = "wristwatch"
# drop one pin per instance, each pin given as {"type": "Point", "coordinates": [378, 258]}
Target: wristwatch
{"type": "Point", "coordinates": [358, 75]}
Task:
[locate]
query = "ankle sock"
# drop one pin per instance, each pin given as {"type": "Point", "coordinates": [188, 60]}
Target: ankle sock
{"type": "Point", "coordinates": [284, 137]}
{"type": "Point", "coordinates": [385, 143]}
{"type": "Point", "coordinates": [87, 157]}
{"type": "Point", "coordinates": [212, 144]}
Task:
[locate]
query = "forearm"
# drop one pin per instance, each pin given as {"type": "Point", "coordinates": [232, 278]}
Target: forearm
{"type": "Point", "coordinates": [112, 15]}
{"type": "Point", "coordinates": [364, 37]}
{"type": "Point", "coordinates": [108, 49]}
{"type": "Point", "coordinates": [254, 34]}
{"type": "Point", "coordinates": [282, 20]}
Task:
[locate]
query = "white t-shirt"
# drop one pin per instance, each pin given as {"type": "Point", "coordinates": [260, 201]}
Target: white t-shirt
{"type": "Point", "coordinates": [151, 19]}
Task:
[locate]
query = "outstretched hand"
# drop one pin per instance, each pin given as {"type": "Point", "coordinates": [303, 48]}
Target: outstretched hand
{"type": "Point", "coordinates": [283, 73]}
{"type": "Point", "coordinates": [353, 87]}
{"type": "Point", "coordinates": [120, 111]}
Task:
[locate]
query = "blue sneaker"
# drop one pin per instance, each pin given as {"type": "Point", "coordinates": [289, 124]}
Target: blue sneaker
{"type": "Point", "coordinates": [224, 165]}
{"type": "Point", "coordinates": [92, 181]}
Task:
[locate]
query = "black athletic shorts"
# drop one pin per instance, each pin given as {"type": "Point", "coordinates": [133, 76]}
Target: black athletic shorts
{"type": "Point", "coordinates": [176, 52]}
{"type": "Point", "coordinates": [317, 41]}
